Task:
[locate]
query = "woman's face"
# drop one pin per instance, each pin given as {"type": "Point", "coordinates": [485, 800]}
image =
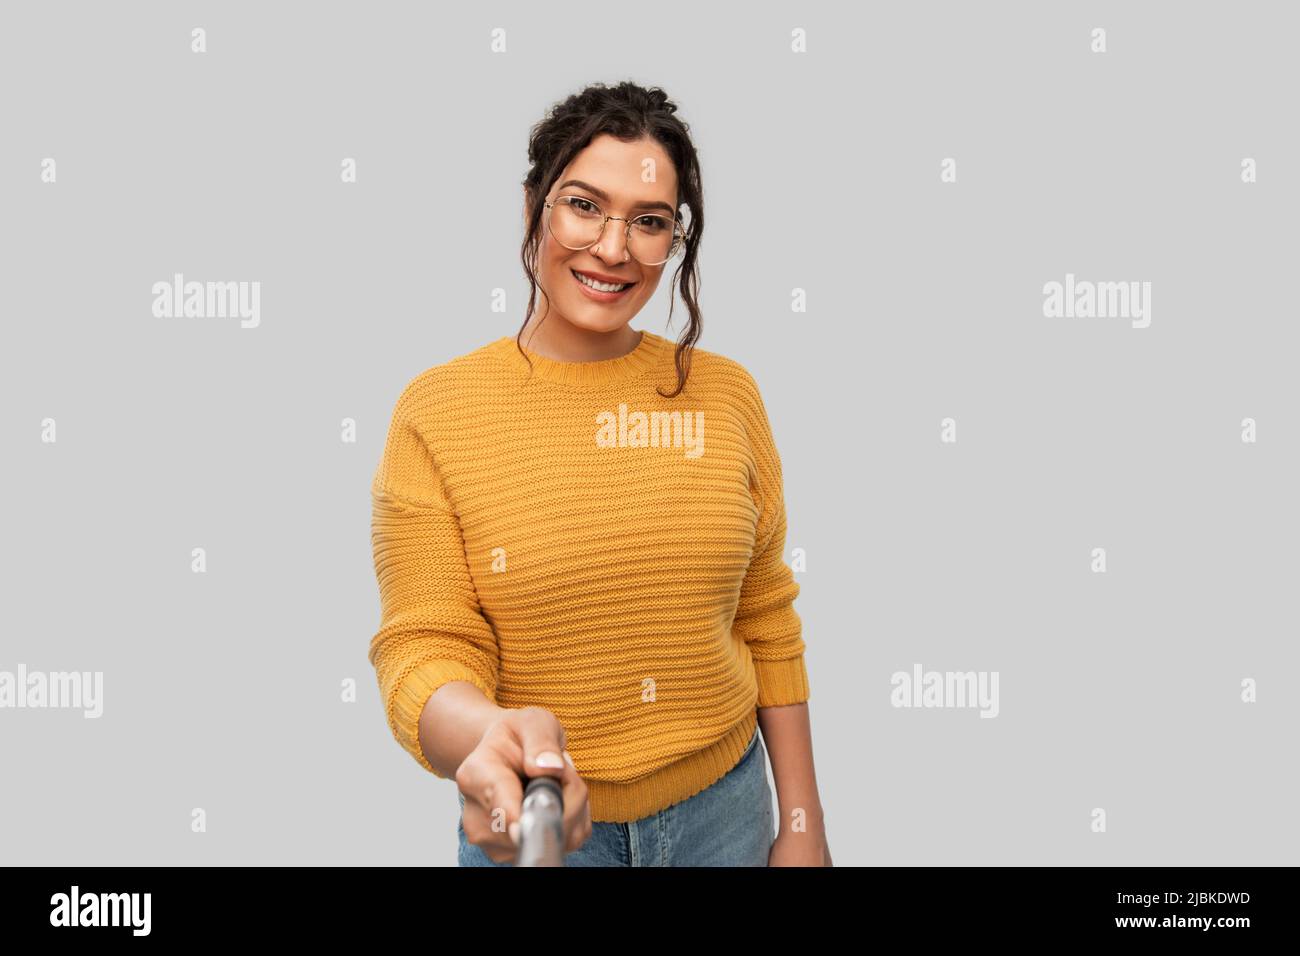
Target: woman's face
{"type": "Point", "coordinates": [611, 173]}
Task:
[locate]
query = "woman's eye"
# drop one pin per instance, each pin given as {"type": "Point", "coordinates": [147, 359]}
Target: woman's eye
{"type": "Point", "coordinates": [652, 224]}
{"type": "Point", "coordinates": [583, 205]}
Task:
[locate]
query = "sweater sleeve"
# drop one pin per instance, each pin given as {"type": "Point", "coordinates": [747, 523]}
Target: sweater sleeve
{"type": "Point", "coordinates": [432, 629]}
{"type": "Point", "coordinates": [765, 615]}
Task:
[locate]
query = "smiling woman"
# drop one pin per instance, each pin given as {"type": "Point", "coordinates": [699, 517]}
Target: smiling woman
{"type": "Point", "coordinates": [603, 216]}
{"type": "Point", "coordinates": [614, 258]}
{"type": "Point", "coordinates": [572, 583]}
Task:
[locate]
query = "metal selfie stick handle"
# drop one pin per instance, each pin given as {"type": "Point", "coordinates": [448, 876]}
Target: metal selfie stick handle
{"type": "Point", "coordinates": [541, 824]}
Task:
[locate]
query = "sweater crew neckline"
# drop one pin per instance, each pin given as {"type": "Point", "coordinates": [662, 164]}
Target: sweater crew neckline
{"type": "Point", "coordinates": [642, 358]}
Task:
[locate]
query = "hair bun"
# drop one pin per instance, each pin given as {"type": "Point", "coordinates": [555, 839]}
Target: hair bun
{"type": "Point", "coordinates": [659, 101]}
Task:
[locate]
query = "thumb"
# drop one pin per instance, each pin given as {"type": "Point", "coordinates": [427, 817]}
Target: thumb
{"type": "Point", "coordinates": [543, 753]}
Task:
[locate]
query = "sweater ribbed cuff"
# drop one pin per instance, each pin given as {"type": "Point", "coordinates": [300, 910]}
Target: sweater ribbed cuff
{"type": "Point", "coordinates": [414, 692]}
{"type": "Point", "coordinates": [781, 683]}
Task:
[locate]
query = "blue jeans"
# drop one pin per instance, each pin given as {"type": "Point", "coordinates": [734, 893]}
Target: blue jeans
{"type": "Point", "coordinates": [729, 823]}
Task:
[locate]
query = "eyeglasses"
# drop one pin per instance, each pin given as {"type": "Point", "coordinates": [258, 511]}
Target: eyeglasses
{"type": "Point", "coordinates": [578, 223]}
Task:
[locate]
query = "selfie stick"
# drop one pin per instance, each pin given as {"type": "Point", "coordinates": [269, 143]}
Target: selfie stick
{"type": "Point", "coordinates": [541, 824]}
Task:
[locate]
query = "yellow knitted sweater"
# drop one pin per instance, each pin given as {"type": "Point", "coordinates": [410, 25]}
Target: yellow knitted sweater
{"type": "Point", "coordinates": [574, 541]}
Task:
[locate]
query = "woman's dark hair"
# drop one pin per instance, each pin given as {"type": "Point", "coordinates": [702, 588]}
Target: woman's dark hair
{"type": "Point", "coordinates": [628, 112]}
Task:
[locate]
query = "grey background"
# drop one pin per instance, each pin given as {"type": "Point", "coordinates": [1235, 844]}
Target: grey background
{"type": "Point", "coordinates": [821, 172]}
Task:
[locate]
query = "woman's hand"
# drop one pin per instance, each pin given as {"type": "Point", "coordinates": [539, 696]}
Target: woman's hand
{"type": "Point", "coordinates": [800, 849]}
{"type": "Point", "coordinates": [490, 779]}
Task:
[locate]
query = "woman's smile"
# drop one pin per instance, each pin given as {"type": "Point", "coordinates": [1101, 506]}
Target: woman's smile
{"type": "Point", "coordinates": [600, 291]}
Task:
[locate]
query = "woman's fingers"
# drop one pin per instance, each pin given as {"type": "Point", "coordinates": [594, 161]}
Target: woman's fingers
{"type": "Point", "coordinates": [528, 743]}
{"type": "Point", "coordinates": [577, 814]}
{"type": "Point", "coordinates": [504, 795]}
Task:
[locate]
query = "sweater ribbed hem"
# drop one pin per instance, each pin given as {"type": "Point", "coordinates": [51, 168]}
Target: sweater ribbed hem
{"type": "Point", "coordinates": [414, 691]}
{"type": "Point", "coordinates": [624, 802]}
{"type": "Point", "coordinates": [782, 683]}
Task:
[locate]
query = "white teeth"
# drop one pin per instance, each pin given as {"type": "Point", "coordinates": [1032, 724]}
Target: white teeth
{"type": "Point", "coordinates": [601, 286]}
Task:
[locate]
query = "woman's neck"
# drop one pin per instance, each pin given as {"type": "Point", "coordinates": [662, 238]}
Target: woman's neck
{"type": "Point", "coordinates": [565, 342]}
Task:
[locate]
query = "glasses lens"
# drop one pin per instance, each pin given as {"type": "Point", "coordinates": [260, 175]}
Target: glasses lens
{"type": "Point", "coordinates": [653, 239]}
{"type": "Point", "coordinates": [576, 224]}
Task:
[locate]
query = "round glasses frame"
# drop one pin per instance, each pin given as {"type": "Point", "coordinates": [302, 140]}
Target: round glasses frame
{"type": "Point", "coordinates": [679, 235]}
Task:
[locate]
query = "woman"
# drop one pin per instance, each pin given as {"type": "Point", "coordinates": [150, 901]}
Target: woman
{"type": "Point", "coordinates": [578, 540]}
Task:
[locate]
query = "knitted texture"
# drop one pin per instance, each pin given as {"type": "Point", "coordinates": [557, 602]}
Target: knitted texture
{"type": "Point", "coordinates": [549, 539]}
